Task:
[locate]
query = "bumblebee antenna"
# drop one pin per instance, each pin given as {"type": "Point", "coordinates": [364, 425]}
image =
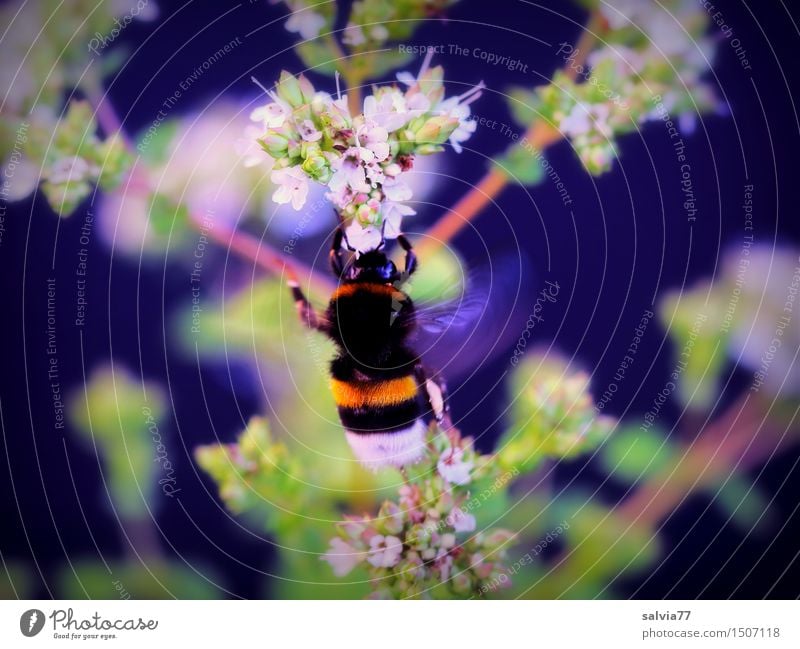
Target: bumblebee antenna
{"type": "Point", "coordinates": [347, 241]}
{"type": "Point", "coordinates": [382, 244]}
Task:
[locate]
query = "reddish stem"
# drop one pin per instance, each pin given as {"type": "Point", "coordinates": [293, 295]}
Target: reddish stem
{"type": "Point", "coordinates": [539, 136]}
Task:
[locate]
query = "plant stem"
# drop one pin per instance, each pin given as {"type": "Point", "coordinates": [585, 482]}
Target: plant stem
{"type": "Point", "coordinates": [105, 114]}
{"type": "Point", "coordinates": [539, 135]}
{"type": "Point", "coordinates": [265, 256]}
{"type": "Point", "coordinates": [742, 437]}
{"type": "Point", "coordinates": [351, 78]}
{"type": "Point", "coordinates": [353, 81]}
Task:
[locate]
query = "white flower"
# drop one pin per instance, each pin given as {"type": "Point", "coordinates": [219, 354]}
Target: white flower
{"type": "Point", "coordinates": [409, 79]}
{"type": "Point", "coordinates": [306, 23]}
{"type": "Point", "coordinates": [349, 177]}
{"type": "Point", "coordinates": [293, 186]}
{"type": "Point", "coordinates": [21, 177]}
{"type": "Point", "coordinates": [458, 107]}
{"type": "Point", "coordinates": [384, 551]}
{"type": "Point", "coordinates": [461, 521]}
{"type": "Point", "coordinates": [146, 11]}
{"type": "Point", "coordinates": [598, 157]}
{"type": "Point", "coordinates": [445, 563]}
{"type": "Point", "coordinates": [363, 238]}
{"type": "Point", "coordinates": [393, 214]}
{"type": "Point", "coordinates": [379, 33]}
{"type": "Point", "coordinates": [396, 190]}
{"type": "Point", "coordinates": [627, 62]}
{"type": "Point", "coordinates": [342, 557]}
{"type": "Point", "coordinates": [72, 169]}
{"type": "Point", "coordinates": [585, 118]}
{"type": "Point", "coordinates": [620, 13]}
{"type": "Point", "coordinates": [374, 137]}
{"type": "Point", "coordinates": [308, 131]}
{"type": "Point", "coordinates": [664, 26]}
{"type": "Point", "coordinates": [272, 115]}
{"type": "Point", "coordinates": [248, 149]}
{"type": "Point", "coordinates": [452, 467]}
{"type": "Point", "coordinates": [375, 174]}
{"type": "Point", "coordinates": [577, 122]}
{"type": "Point", "coordinates": [666, 33]}
{"type": "Point", "coordinates": [466, 127]}
{"type": "Point", "coordinates": [393, 110]}
{"type": "Point", "coordinates": [393, 169]}
{"type": "Point", "coordinates": [353, 35]}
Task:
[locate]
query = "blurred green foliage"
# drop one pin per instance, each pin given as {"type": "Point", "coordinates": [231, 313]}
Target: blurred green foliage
{"type": "Point", "coordinates": [114, 411]}
{"type": "Point", "coordinates": [150, 579]}
{"type": "Point", "coordinates": [632, 454]}
{"type": "Point", "coordinates": [552, 415]}
{"type": "Point", "coordinates": [443, 276]}
{"type": "Point", "coordinates": [16, 582]}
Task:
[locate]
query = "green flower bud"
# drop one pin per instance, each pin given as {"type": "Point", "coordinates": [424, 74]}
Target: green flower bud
{"type": "Point", "coordinates": [289, 90]}
{"type": "Point", "coordinates": [307, 89]}
{"type": "Point", "coordinates": [428, 149]}
{"type": "Point", "coordinates": [317, 168]}
{"type": "Point", "coordinates": [275, 144]}
{"type": "Point", "coordinates": [436, 130]}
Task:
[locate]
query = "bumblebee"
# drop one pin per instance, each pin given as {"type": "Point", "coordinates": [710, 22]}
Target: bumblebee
{"type": "Point", "coordinates": [379, 384]}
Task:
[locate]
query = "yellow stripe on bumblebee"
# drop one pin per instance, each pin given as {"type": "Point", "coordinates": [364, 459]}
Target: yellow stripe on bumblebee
{"type": "Point", "coordinates": [359, 394]}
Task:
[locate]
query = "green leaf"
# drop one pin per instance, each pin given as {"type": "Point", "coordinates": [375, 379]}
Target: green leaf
{"type": "Point", "coordinates": [377, 64]}
{"type": "Point", "coordinates": [319, 56]}
{"type": "Point", "coordinates": [154, 146]}
{"type": "Point", "coordinates": [114, 162]}
{"type": "Point", "coordinates": [152, 579]}
{"type": "Point", "coordinates": [524, 105]}
{"type": "Point", "coordinates": [521, 164]}
{"type": "Point", "coordinates": [602, 547]}
{"type": "Point", "coordinates": [746, 503]}
{"type": "Point", "coordinates": [124, 417]}
{"type": "Point", "coordinates": [694, 318]}
{"type": "Point", "coordinates": [166, 215]}
{"type": "Point", "coordinates": [633, 454]}
{"type": "Point", "coordinates": [440, 278]}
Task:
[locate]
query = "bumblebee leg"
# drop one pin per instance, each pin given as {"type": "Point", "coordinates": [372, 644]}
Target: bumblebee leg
{"type": "Point", "coordinates": [436, 396]}
{"type": "Point", "coordinates": [308, 316]}
{"type": "Point", "coordinates": [411, 258]}
{"type": "Point", "coordinates": [336, 257]}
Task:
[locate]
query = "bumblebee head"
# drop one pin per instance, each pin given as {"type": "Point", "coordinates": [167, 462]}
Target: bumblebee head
{"type": "Point", "coordinates": [373, 266]}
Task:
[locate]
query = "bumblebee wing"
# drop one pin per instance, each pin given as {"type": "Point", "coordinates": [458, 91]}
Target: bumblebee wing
{"type": "Point", "coordinates": [459, 336]}
{"type": "Point", "coordinates": [438, 317]}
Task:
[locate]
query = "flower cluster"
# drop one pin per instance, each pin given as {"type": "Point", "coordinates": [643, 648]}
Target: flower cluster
{"type": "Point", "coordinates": [371, 24]}
{"type": "Point", "coordinates": [37, 34]}
{"type": "Point", "coordinates": [257, 473]}
{"type": "Point", "coordinates": [308, 19]}
{"type": "Point", "coordinates": [747, 313]}
{"type": "Point", "coordinates": [553, 415]}
{"type": "Point", "coordinates": [426, 543]}
{"type": "Point", "coordinates": [361, 159]}
{"type": "Point", "coordinates": [67, 157]}
{"type": "Point", "coordinates": [630, 80]}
